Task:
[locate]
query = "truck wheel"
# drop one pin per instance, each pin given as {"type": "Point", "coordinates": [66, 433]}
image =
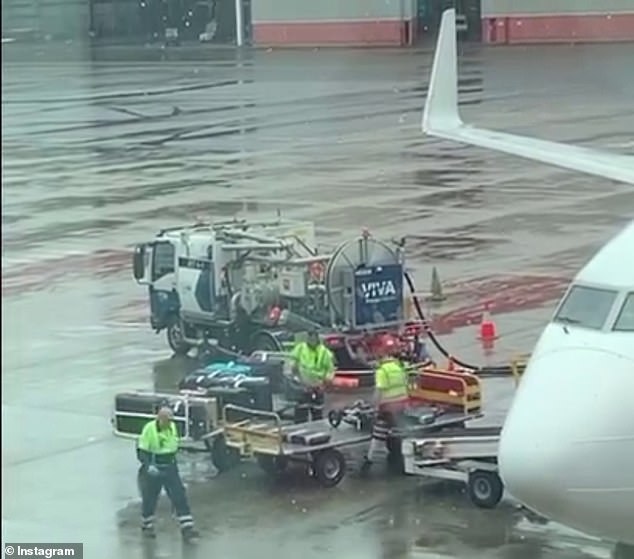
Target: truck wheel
{"type": "Point", "coordinates": [223, 456]}
{"type": "Point", "coordinates": [175, 338]}
{"type": "Point", "coordinates": [329, 467]}
{"type": "Point", "coordinates": [272, 465]}
{"type": "Point", "coordinates": [265, 341]}
{"type": "Point", "coordinates": [485, 489]}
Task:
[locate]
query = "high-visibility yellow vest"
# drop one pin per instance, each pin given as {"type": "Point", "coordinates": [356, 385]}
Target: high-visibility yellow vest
{"type": "Point", "coordinates": [159, 441]}
{"type": "Point", "coordinates": [315, 365]}
{"type": "Point", "coordinates": [391, 379]}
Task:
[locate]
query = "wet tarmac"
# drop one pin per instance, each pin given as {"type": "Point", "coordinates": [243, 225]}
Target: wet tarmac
{"type": "Point", "coordinates": [99, 154]}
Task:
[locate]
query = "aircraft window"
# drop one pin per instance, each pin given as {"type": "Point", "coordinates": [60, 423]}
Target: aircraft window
{"type": "Point", "coordinates": [163, 260]}
{"type": "Point", "coordinates": [625, 321]}
{"type": "Point", "coordinates": [587, 307]}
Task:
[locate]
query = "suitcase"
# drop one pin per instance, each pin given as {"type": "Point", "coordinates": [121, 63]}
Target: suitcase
{"type": "Point", "coordinates": [230, 368]}
{"type": "Point", "coordinates": [260, 364]}
{"type": "Point", "coordinates": [221, 375]}
{"type": "Point", "coordinates": [296, 391]}
{"type": "Point", "coordinates": [134, 410]}
{"type": "Point", "coordinates": [420, 415]}
{"type": "Point", "coordinates": [229, 385]}
{"type": "Point", "coordinates": [258, 397]}
{"type": "Point", "coordinates": [269, 366]}
{"type": "Point", "coordinates": [308, 437]}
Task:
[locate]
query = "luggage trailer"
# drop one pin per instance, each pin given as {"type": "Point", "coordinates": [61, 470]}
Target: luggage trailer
{"type": "Point", "coordinates": [467, 454]}
{"type": "Point", "coordinates": [317, 444]}
{"type": "Point", "coordinates": [199, 419]}
{"type": "Point", "coordinates": [452, 398]}
{"type": "Point", "coordinates": [229, 432]}
{"type": "Point", "coordinates": [263, 435]}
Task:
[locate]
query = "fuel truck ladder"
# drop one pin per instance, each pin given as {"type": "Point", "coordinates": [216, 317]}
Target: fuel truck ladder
{"type": "Point", "coordinates": [467, 455]}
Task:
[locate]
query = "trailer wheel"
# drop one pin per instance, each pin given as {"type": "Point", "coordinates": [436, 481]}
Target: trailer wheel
{"type": "Point", "coordinates": [329, 467]}
{"type": "Point", "coordinates": [485, 489]}
{"type": "Point", "coordinates": [176, 338]}
{"type": "Point", "coordinates": [223, 456]}
{"type": "Point", "coordinates": [272, 465]}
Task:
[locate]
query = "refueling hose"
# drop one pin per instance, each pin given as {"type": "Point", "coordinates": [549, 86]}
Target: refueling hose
{"type": "Point", "coordinates": [501, 370]}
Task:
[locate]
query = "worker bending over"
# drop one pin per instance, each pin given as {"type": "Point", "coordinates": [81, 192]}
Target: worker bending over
{"type": "Point", "coordinates": [157, 448]}
{"type": "Point", "coordinates": [313, 364]}
{"type": "Point", "coordinates": [391, 395]}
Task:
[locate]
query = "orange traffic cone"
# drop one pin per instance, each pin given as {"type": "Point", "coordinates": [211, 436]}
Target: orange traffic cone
{"type": "Point", "coordinates": [488, 330]}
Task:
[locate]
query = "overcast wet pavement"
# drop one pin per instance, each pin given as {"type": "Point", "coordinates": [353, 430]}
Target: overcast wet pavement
{"type": "Point", "coordinates": [99, 154]}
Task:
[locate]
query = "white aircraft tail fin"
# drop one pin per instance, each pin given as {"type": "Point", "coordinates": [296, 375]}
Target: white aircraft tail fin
{"type": "Point", "coordinates": [441, 118]}
{"type": "Point", "coordinates": [441, 108]}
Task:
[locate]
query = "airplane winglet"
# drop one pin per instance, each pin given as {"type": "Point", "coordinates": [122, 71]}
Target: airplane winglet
{"type": "Point", "coordinates": [441, 109]}
{"type": "Point", "coordinates": [442, 120]}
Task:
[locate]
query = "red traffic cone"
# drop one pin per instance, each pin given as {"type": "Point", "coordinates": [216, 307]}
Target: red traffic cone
{"type": "Point", "coordinates": [488, 330]}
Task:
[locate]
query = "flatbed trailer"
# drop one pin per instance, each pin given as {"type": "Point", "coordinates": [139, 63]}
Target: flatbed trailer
{"type": "Point", "coordinates": [275, 444]}
{"type": "Point", "coordinates": [467, 454]}
{"type": "Point", "coordinates": [317, 444]}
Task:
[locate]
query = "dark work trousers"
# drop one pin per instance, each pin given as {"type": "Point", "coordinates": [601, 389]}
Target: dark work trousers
{"type": "Point", "coordinates": [386, 419]}
{"type": "Point", "coordinates": [151, 486]}
{"type": "Point", "coordinates": [309, 406]}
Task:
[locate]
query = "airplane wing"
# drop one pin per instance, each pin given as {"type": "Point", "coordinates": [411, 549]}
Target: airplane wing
{"type": "Point", "coordinates": [442, 119]}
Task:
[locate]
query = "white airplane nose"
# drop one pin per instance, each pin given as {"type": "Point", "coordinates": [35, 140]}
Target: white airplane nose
{"type": "Point", "coordinates": [569, 435]}
{"type": "Point", "coordinates": [532, 452]}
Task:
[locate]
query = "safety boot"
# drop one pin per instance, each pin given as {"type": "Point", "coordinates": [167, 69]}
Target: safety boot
{"type": "Point", "coordinates": [148, 532]}
{"type": "Point", "coordinates": [190, 534]}
{"type": "Point", "coordinates": [366, 465]}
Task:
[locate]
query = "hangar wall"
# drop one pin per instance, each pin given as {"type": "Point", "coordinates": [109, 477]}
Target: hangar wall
{"type": "Point", "coordinates": [557, 21]}
{"type": "Point", "coordinates": [331, 22]}
{"type": "Point", "coordinates": [69, 19]}
{"type": "Point", "coordinates": [335, 22]}
{"type": "Point", "coordinates": [395, 22]}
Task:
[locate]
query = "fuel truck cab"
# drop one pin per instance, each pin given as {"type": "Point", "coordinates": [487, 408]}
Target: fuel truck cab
{"type": "Point", "coordinates": [203, 279]}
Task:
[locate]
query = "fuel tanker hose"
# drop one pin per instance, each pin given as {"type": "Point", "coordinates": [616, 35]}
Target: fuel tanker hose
{"type": "Point", "coordinates": [501, 370]}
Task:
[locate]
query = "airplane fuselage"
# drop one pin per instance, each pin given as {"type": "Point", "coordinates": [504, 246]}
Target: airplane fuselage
{"type": "Point", "coordinates": [567, 447]}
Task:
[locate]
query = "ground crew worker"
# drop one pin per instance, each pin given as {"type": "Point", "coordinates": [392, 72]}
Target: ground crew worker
{"type": "Point", "coordinates": [313, 364]}
{"type": "Point", "coordinates": [391, 395]}
{"type": "Point", "coordinates": [156, 450]}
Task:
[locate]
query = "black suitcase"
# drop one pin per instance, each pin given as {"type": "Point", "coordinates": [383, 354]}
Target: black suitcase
{"type": "Point", "coordinates": [258, 397]}
{"type": "Point", "coordinates": [296, 391]}
{"type": "Point", "coordinates": [261, 364]}
{"type": "Point", "coordinates": [265, 365]}
{"type": "Point", "coordinates": [239, 389]}
{"type": "Point", "coordinates": [205, 381]}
